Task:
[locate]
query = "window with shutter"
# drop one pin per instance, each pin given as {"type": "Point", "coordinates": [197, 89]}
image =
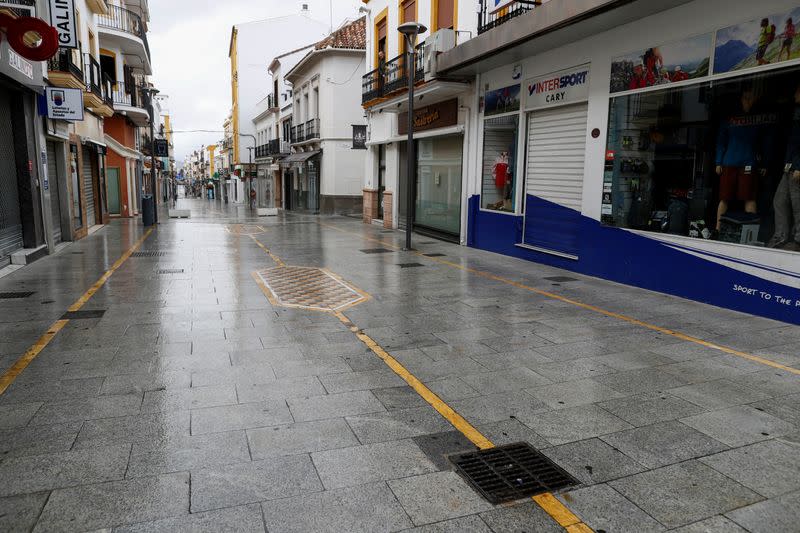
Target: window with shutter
{"type": "Point", "coordinates": [445, 14]}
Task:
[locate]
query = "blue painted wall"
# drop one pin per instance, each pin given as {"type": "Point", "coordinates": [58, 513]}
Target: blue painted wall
{"type": "Point", "coordinates": [626, 257]}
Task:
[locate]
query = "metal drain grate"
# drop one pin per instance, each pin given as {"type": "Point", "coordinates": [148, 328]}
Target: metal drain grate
{"type": "Point", "coordinates": [560, 279]}
{"type": "Point", "coordinates": [512, 472]}
{"type": "Point", "coordinates": [376, 251]}
{"type": "Point", "coordinates": [84, 315]}
{"type": "Point", "coordinates": [170, 271]}
{"type": "Point", "coordinates": [148, 253]}
{"type": "Point", "coordinates": [14, 295]}
{"type": "Point", "coordinates": [434, 255]}
{"type": "Point", "coordinates": [410, 265]}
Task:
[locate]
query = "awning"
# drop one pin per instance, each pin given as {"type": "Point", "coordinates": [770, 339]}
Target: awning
{"type": "Point", "coordinates": [300, 157]}
{"type": "Point", "coordinates": [121, 149]}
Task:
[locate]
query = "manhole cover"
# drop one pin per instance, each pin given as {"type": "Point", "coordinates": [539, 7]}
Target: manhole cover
{"type": "Point", "coordinates": [512, 472]}
{"type": "Point", "coordinates": [560, 279]}
{"type": "Point", "coordinates": [434, 255]}
{"type": "Point", "coordinates": [83, 315]}
{"type": "Point", "coordinates": [377, 251]}
{"type": "Point", "coordinates": [14, 295]}
{"type": "Point", "coordinates": [410, 265]}
{"type": "Point", "coordinates": [308, 288]}
{"type": "Point", "coordinates": [170, 271]}
{"type": "Point", "coordinates": [149, 253]}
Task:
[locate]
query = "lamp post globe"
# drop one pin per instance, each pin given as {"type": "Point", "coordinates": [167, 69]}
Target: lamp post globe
{"type": "Point", "coordinates": [411, 31]}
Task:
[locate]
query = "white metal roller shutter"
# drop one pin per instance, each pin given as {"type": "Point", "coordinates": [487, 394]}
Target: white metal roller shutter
{"type": "Point", "coordinates": [88, 185]}
{"type": "Point", "coordinates": [554, 178]}
{"type": "Point", "coordinates": [55, 199]}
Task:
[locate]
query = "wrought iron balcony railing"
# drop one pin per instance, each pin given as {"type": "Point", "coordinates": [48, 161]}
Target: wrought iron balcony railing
{"type": "Point", "coordinates": [392, 76]}
{"type": "Point", "coordinates": [91, 72]}
{"type": "Point", "coordinates": [128, 95]}
{"type": "Point", "coordinates": [312, 129]}
{"type": "Point", "coordinates": [107, 87]}
{"type": "Point", "coordinates": [121, 19]}
{"type": "Point", "coordinates": [489, 18]}
{"type": "Point", "coordinates": [274, 147]}
{"type": "Point", "coordinates": [299, 133]}
{"type": "Point", "coordinates": [65, 61]}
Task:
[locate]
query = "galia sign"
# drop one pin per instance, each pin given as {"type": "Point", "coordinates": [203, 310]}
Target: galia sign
{"type": "Point", "coordinates": [41, 49]}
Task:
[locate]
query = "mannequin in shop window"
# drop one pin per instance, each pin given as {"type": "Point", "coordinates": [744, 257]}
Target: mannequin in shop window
{"type": "Point", "coordinates": [502, 180]}
{"type": "Point", "coordinates": [741, 144]}
{"type": "Point", "coordinates": [787, 197]}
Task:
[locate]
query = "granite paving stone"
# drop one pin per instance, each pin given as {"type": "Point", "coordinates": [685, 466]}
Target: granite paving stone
{"type": "Point", "coordinates": [191, 398]}
{"type": "Point", "coordinates": [370, 508]}
{"type": "Point", "coordinates": [17, 415]}
{"type": "Point", "coordinates": [574, 423]}
{"type": "Point", "coordinates": [438, 496]}
{"type": "Point", "coordinates": [399, 398]}
{"type": "Point", "coordinates": [603, 508]}
{"type": "Point", "coordinates": [739, 425]}
{"type": "Point", "coordinates": [105, 505]}
{"type": "Point", "coordinates": [472, 524]}
{"type": "Point", "coordinates": [252, 482]}
{"type": "Point", "coordinates": [38, 440]}
{"type": "Point", "coordinates": [715, 524]}
{"type": "Point", "coordinates": [769, 468]}
{"type": "Point", "coordinates": [279, 389]}
{"type": "Point", "coordinates": [638, 381]}
{"type": "Point", "coordinates": [133, 429]}
{"type": "Point", "coordinates": [241, 416]}
{"type": "Point", "coordinates": [718, 394]}
{"type": "Point", "coordinates": [663, 443]}
{"type": "Point", "coordinates": [573, 393]}
{"type": "Point", "coordinates": [353, 381]}
{"type": "Point", "coordinates": [397, 424]}
{"type": "Point", "coordinates": [173, 454]}
{"type": "Point", "coordinates": [358, 465]}
{"type": "Point", "coordinates": [334, 405]}
{"type": "Point", "coordinates": [593, 461]}
{"type": "Point", "coordinates": [680, 494]}
{"type": "Point", "coordinates": [244, 519]}
{"type": "Point", "coordinates": [302, 437]}
{"type": "Point", "coordinates": [511, 431]}
{"type": "Point", "coordinates": [504, 380]}
{"type": "Point", "coordinates": [20, 513]}
{"type": "Point", "coordinates": [778, 514]}
{"type": "Point", "coordinates": [645, 409]}
{"type": "Point", "coordinates": [19, 475]}
{"type": "Point", "coordinates": [520, 517]}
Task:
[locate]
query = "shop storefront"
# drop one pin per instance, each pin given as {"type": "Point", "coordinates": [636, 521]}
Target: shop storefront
{"type": "Point", "coordinates": [302, 177]}
{"type": "Point", "coordinates": [665, 157]}
{"type": "Point", "coordinates": [439, 148]}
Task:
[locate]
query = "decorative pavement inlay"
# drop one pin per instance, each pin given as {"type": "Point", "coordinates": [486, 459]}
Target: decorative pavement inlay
{"type": "Point", "coordinates": [308, 288]}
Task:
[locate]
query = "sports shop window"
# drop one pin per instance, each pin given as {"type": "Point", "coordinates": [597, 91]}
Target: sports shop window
{"type": "Point", "coordinates": [719, 160]}
{"type": "Point", "coordinates": [499, 177]}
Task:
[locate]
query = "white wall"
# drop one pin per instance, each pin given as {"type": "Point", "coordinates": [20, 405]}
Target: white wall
{"type": "Point", "coordinates": [258, 43]}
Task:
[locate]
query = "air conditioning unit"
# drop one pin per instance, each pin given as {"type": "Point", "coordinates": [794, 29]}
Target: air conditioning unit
{"type": "Point", "coordinates": [436, 43]}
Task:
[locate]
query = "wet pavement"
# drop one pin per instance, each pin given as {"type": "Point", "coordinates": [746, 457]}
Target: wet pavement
{"type": "Point", "coordinates": [209, 397]}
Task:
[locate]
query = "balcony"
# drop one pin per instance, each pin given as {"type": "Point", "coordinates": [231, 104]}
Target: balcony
{"type": "Point", "coordinates": [262, 151]}
{"type": "Point", "coordinates": [490, 18]}
{"type": "Point", "coordinates": [124, 29]}
{"type": "Point", "coordinates": [128, 101]}
{"type": "Point", "coordinates": [93, 93]}
{"type": "Point", "coordinates": [99, 7]}
{"type": "Point", "coordinates": [106, 90]}
{"type": "Point", "coordinates": [392, 78]}
{"type": "Point", "coordinates": [64, 69]}
{"type": "Point", "coordinates": [312, 129]}
{"type": "Point", "coordinates": [298, 133]}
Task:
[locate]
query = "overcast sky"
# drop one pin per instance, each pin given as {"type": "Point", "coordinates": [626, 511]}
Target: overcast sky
{"type": "Point", "coordinates": [189, 45]}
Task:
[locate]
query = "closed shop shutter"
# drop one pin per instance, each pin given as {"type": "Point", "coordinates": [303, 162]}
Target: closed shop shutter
{"type": "Point", "coordinates": [554, 179]}
{"type": "Point", "coordinates": [55, 199]}
{"type": "Point", "coordinates": [88, 185]}
{"type": "Point", "coordinates": [10, 220]}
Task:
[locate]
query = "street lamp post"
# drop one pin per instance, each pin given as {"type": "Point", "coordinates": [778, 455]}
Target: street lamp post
{"type": "Point", "coordinates": [411, 31]}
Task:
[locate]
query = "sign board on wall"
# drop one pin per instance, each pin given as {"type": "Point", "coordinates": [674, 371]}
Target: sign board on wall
{"type": "Point", "coordinates": [558, 88]}
{"type": "Point", "coordinates": [64, 104]}
{"type": "Point", "coordinates": [360, 137]}
{"type": "Point", "coordinates": [439, 115]}
{"type": "Point", "coordinates": [62, 17]}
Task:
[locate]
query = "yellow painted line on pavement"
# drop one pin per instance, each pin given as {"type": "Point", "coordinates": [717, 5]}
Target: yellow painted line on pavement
{"type": "Point", "coordinates": [589, 307]}
{"type": "Point", "coordinates": [548, 502]}
{"type": "Point", "coordinates": [27, 358]}
{"type": "Point", "coordinates": [274, 257]}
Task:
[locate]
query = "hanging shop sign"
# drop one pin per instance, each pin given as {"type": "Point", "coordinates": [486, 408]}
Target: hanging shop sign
{"type": "Point", "coordinates": [64, 104]}
{"type": "Point", "coordinates": [431, 117]}
{"type": "Point", "coordinates": [161, 148]}
{"type": "Point", "coordinates": [16, 30]}
{"type": "Point", "coordinates": [505, 100]}
{"type": "Point", "coordinates": [62, 16]}
{"type": "Point", "coordinates": [360, 137]}
{"type": "Point", "coordinates": [558, 88]}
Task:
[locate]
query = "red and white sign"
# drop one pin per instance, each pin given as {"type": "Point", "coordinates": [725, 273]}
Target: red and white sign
{"type": "Point", "coordinates": [15, 30]}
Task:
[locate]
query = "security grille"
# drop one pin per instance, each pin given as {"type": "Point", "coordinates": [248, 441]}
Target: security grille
{"type": "Point", "coordinates": [10, 220]}
{"type": "Point", "coordinates": [55, 199]}
{"type": "Point", "coordinates": [88, 186]}
{"type": "Point", "coordinates": [512, 472]}
{"type": "Point", "coordinates": [148, 253]}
